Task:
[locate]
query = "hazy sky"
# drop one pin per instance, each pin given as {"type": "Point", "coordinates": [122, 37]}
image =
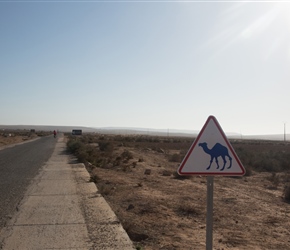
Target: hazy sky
{"type": "Point", "coordinates": [149, 64]}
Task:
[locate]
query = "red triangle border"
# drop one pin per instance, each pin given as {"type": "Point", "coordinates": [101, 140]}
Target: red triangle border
{"type": "Point", "coordinates": [243, 171]}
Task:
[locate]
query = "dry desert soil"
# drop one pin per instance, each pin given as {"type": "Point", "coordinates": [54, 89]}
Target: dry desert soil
{"type": "Point", "coordinates": [6, 140]}
{"type": "Point", "coordinates": [161, 211]}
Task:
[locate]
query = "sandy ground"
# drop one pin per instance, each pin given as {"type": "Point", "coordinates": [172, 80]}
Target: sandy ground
{"type": "Point", "coordinates": [8, 140]}
{"type": "Point", "coordinates": [160, 211]}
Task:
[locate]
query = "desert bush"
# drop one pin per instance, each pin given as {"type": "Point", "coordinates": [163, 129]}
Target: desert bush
{"type": "Point", "coordinates": [74, 145]}
{"type": "Point", "coordinates": [255, 155]}
{"type": "Point", "coordinates": [117, 161]}
{"type": "Point", "coordinates": [286, 193]}
{"type": "Point", "coordinates": [126, 168]}
{"type": "Point", "coordinates": [94, 178]}
{"type": "Point", "coordinates": [267, 160]}
{"type": "Point", "coordinates": [274, 179]}
{"type": "Point", "coordinates": [127, 155]}
{"type": "Point", "coordinates": [82, 155]}
{"type": "Point", "coordinates": [266, 163]}
{"type": "Point", "coordinates": [181, 177]}
{"type": "Point", "coordinates": [147, 171]}
{"type": "Point", "coordinates": [175, 158]}
{"type": "Point", "coordinates": [125, 161]}
{"type": "Point", "coordinates": [93, 154]}
{"type": "Point", "coordinates": [105, 189]}
{"type": "Point", "coordinates": [166, 173]}
{"type": "Point", "coordinates": [264, 156]}
{"type": "Point", "coordinates": [245, 155]}
{"type": "Point", "coordinates": [187, 209]}
{"type": "Point", "coordinates": [249, 171]}
{"type": "Point", "coordinates": [106, 146]}
{"type": "Point", "coordinates": [79, 149]}
{"type": "Point", "coordinates": [285, 178]}
{"type": "Point", "coordinates": [147, 208]}
{"type": "Point", "coordinates": [85, 152]}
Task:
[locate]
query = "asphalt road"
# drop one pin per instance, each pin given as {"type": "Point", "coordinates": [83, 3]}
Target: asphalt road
{"type": "Point", "coordinates": [18, 166]}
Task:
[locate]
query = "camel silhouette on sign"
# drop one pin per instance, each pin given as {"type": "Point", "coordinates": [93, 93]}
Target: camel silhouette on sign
{"type": "Point", "coordinates": [218, 150]}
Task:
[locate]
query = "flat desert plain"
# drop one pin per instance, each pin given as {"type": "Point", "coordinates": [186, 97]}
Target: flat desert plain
{"type": "Point", "coordinates": [161, 211]}
{"type": "Point", "coordinates": [6, 140]}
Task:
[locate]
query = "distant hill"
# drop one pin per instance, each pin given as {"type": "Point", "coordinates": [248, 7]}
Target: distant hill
{"type": "Point", "coordinates": [275, 137]}
{"type": "Point", "coordinates": [46, 128]}
{"type": "Point", "coordinates": [147, 131]}
{"type": "Point", "coordinates": [139, 131]}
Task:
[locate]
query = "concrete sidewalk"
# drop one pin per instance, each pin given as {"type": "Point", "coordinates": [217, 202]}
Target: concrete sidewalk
{"type": "Point", "coordinates": [63, 210]}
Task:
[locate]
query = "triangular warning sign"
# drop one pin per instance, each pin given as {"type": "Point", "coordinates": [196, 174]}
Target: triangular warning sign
{"type": "Point", "coordinates": [211, 154]}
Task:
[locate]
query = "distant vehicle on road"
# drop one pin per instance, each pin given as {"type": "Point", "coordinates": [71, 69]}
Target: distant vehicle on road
{"type": "Point", "coordinates": [76, 132]}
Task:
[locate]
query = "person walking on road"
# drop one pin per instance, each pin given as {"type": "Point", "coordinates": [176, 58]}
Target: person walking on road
{"type": "Point", "coordinates": [54, 133]}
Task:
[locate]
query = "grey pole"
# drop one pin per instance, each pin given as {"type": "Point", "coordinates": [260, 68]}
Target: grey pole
{"type": "Point", "coordinates": [209, 214]}
{"type": "Point", "coordinates": [284, 131]}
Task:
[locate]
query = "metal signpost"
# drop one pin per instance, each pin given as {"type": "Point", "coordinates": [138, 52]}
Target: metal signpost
{"type": "Point", "coordinates": [209, 213]}
{"type": "Point", "coordinates": [211, 154]}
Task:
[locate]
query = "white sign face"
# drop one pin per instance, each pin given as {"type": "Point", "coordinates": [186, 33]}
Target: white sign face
{"type": "Point", "coordinates": [211, 154]}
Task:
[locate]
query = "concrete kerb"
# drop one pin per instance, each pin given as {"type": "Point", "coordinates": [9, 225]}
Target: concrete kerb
{"type": "Point", "coordinates": [101, 221]}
